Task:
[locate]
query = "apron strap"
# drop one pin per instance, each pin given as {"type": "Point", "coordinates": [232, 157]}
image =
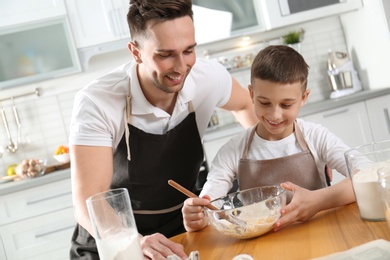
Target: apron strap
{"type": "Point", "coordinates": [298, 134]}
{"type": "Point", "coordinates": [161, 211]}
{"type": "Point", "coordinates": [127, 119]}
{"type": "Point", "coordinates": [245, 153]}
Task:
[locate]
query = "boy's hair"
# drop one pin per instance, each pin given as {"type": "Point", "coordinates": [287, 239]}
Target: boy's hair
{"type": "Point", "coordinates": [141, 12]}
{"type": "Point", "coordinates": [280, 63]}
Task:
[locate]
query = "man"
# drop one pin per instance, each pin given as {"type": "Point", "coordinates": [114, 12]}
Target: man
{"type": "Point", "coordinates": [142, 124]}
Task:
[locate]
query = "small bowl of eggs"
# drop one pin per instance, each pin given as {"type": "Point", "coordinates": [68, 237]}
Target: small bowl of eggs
{"type": "Point", "coordinates": [31, 168]}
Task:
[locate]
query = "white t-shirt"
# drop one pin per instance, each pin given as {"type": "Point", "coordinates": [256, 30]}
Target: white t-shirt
{"type": "Point", "coordinates": [98, 112]}
{"type": "Point", "coordinates": [325, 147]}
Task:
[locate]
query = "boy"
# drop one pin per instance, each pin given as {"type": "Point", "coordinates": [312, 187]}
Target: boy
{"type": "Point", "coordinates": [280, 149]}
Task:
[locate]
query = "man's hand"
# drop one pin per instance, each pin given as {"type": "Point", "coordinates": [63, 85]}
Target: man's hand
{"type": "Point", "coordinates": [158, 247]}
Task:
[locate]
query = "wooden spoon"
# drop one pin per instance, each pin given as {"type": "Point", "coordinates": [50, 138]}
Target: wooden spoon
{"type": "Point", "coordinates": [222, 214]}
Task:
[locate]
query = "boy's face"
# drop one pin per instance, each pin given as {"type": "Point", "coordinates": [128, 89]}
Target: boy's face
{"type": "Point", "coordinates": [277, 106]}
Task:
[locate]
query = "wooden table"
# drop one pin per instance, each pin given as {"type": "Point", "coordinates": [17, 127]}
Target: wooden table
{"type": "Point", "coordinates": [328, 232]}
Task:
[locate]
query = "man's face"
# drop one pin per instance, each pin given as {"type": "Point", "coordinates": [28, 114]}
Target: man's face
{"type": "Point", "coordinates": [166, 54]}
{"type": "Point", "coordinates": [277, 106]}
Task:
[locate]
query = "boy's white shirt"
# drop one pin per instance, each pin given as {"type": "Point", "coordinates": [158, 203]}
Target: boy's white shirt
{"type": "Point", "coordinates": [325, 147]}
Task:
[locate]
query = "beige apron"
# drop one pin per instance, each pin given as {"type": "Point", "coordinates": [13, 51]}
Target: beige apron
{"type": "Point", "coordinates": [299, 168]}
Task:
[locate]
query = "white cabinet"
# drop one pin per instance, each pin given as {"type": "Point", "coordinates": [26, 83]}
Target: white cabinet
{"type": "Point", "coordinates": [379, 113]}
{"type": "Point", "coordinates": [96, 22]}
{"type": "Point", "coordinates": [2, 250]}
{"type": "Point", "coordinates": [37, 223]}
{"type": "Point", "coordinates": [14, 12]}
{"type": "Point", "coordinates": [350, 123]}
{"type": "Point", "coordinates": [279, 13]}
{"type": "Point", "coordinates": [45, 236]}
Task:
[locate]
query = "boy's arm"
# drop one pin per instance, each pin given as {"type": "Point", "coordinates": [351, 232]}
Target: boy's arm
{"type": "Point", "coordinates": [305, 203]}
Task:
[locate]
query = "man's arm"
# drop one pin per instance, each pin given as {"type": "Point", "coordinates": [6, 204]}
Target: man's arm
{"type": "Point", "coordinates": [241, 105]}
{"type": "Point", "coordinates": [92, 170]}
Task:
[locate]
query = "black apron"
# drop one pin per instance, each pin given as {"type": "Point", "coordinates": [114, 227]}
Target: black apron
{"type": "Point", "coordinates": [177, 155]}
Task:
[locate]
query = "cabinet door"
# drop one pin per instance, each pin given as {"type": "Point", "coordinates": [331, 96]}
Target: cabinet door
{"type": "Point", "coordinates": [95, 22]}
{"type": "Point", "coordinates": [46, 236]}
{"type": "Point", "coordinates": [379, 114]}
{"type": "Point", "coordinates": [350, 123]}
{"type": "Point", "coordinates": [14, 12]}
{"type": "Point", "coordinates": [35, 201]}
{"type": "Point", "coordinates": [2, 249]}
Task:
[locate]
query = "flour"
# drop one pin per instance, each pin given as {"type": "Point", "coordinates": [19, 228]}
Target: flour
{"type": "Point", "coordinates": [259, 218]}
{"type": "Point", "coordinates": [365, 184]}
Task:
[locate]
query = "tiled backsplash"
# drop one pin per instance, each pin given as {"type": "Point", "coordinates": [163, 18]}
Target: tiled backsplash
{"type": "Point", "coordinates": [46, 119]}
{"type": "Point", "coordinates": [320, 36]}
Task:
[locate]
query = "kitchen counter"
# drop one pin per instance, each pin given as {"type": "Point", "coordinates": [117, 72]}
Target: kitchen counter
{"type": "Point", "coordinates": [14, 186]}
{"type": "Point", "coordinates": [311, 108]}
{"type": "Point", "coordinates": [308, 109]}
{"type": "Point", "coordinates": [330, 231]}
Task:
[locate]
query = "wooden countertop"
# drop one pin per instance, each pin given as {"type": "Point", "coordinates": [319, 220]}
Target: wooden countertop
{"type": "Point", "coordinates": [328, 232]}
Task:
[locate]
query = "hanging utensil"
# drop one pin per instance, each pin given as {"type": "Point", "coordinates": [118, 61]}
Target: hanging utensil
{"type": "Point", "coordinates": [11, 147]}
{"type": "Point", "coordinates": [22, 138]}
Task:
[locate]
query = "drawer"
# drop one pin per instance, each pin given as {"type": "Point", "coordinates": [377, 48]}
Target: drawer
{"type": "Point", "coordinates": [42, 237]}
{"type": "Point", "coordinates": [2, 250]}
{"type": "Point", "coordinates": [35, 201]}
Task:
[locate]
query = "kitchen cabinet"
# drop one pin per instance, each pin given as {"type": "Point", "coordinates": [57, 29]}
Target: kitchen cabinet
{"type": "Point", "coordinates": [96, 22]}
{"type": "Point", "coordinates": [37, 51]}
{"type": "Point", "coordinates": [15, 12]}
{"type": "Point", "coordinates": [279, 13]}
{"type": "Point", "coordinates": [350, 123]}
{"type": "Point", "coordinates": [378, 110]}
{"type": "Point", "coordinates": [2, 250]}
{"type": "Point", "coordinates": [37, 223]}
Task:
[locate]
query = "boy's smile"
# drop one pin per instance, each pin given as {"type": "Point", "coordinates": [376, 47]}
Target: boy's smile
{"type": "Point", "coordinates": [277, 105]}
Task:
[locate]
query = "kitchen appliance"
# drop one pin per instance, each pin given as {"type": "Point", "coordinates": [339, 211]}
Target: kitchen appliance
{"type": "Point", "coordinates": [279, 13]}
{"type": "Point", "coordinates": [342, 76]}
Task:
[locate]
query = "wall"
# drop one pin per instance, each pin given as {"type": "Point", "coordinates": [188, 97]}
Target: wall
{"type": "Point", "coordinates": [368, 39]}
{"type": "Point", "coordinates": [46, 118]}
{"type": "Point", "coordinates": [320, 36]}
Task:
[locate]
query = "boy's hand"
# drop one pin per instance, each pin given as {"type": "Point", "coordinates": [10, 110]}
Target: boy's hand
{"type": "Point", "coordinates": [301, 208]}
{"type": "Point", "coordinates": [194, 217]}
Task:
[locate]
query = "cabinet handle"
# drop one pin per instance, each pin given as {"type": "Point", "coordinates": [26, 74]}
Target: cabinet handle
{"type": "Point", "coordinates": [53, 231]}
{"type": "Point", "coordinates": [48, 198]}
{"type": "Point", "coordinates": [387, 118]}
{"type": "Point", "coordinates": [336, 113]}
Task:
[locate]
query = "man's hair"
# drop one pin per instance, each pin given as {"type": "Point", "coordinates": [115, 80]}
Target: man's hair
{"type": "Point", "coordinates": [141, 12]}
{"type": "Point", "coordinates": [280, 63]}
